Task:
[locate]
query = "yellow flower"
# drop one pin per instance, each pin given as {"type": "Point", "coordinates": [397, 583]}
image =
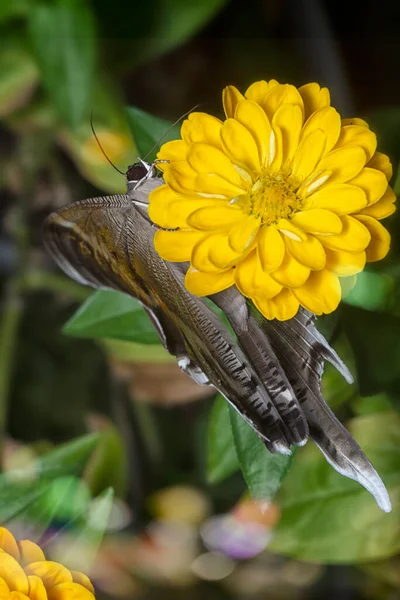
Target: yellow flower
{"type": "Point", "coordinates": [26, 574]}
{"type": "Point", "coordinates": [281, 199]}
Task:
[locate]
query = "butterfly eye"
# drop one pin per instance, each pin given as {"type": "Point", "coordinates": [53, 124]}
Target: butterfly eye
{"type": "Point", "coordinates": [136, 172]}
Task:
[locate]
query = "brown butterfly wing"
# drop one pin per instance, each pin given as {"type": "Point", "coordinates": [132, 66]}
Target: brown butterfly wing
{"type": "Point", "coordinates": [108, 243]}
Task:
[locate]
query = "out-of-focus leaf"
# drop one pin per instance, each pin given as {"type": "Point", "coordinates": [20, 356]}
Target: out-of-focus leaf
{"type": "Point", "coordinates": [148, 131]}
{"type": "Point", "coordinates": [108, 466]}
{"type": "Point", "coordinates": [376, 347]}
{"type": "Point", "coordinates": [114, 133]}
{"type": "Point", "coordinates": [372, 291]}
{"type": "Point", "coordinates": [222, 460]}
{"type": "Point", "coordinates": [79, 551]}
{"type": "Point", "coordinates": [262, 471]}
{"type": "Point", "coordinates": [12, 9]}
{"type": "Point", "coordinates": [137, 353]}
{"type": "Point", "coordinates": [112, 315]}
{"type": "Point", "coordinates": [20, 488]}
{"type": "Point", "coordinates": [385, 122]}
{"type": "Point", "coordinates": [367, 405]}
{"type": "Point", "coordinates": [18, 74]}
{"type": "Point", "coordinates": [160, 26]}
{"type": "Point", "coordinates": [331, 519]}
{"type": "Point", "coordinates": [63, 38]}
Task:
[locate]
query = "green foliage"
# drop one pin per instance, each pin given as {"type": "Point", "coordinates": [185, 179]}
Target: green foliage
{"type": "Point", "coordinates": [233, 444]}
{"type": "Point", "coordinates": [222, 460]}
{"type": "Point", "coordinates": [21, 488]}
{"type": "Point", "coordinates": [376, 346]}
{"type": "Point", "coordinates": [328, 518]}
{"type": "Point", "coordinates": [112, 315]}
{"type": "Point", "coordinates": [262, 471]}
{"type": "Point", "coordinates": [148, 132]}
{"type": "Point", "coordinates": [63, 36]}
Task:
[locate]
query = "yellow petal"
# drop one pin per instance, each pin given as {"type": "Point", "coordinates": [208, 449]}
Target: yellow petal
{"type": "Point", "coordinates": [8, 543]}
{"type": "Point", "coordinates": [251, 280]}
{"type": "Point", "coordinates": [70, 591]}
{"type": "Point", "coordinates": [288, 229]}
{"type": "Point", "coordinates": [343, 263]}
{"type": "Point", "coordinates": [83, 579]}
{"type": "Point", "coordinates": [270, 248]}
{"type": "Point", "coordinates": [50, 572]}
{"type": "Point", "coordinates": [176, 246]}
{"type": "Point", "coordinates": [383, 208]}
{"type": "Point", "coordinates": [202, 128]}
{"type": "Point", "coordinates": [182, 178]}
{"type": "Point", "coordinates": [258, 90]}
{"type": "Point", "coordinates": [344, 163]}
{"type": "Point", "coordinates": [291, 273]}
{"type": "Point", "coordinates": [17, 596]}
{"type": "Point", "coordinates": [213, 254]}
{"type": "Point", "coordinates": [204, 158]}
{"type": "Point", "coordinates": [170, 210]}
{"type": "Point", "coordinates": [321, 293]}
{"type": "Point", "coordinates": [354, 237]}
{"type": "Point", "coordinates": [252, 116]}
{"type": "Point", "coordinates": [205, 284]}
{"type": "Point", "coordinates": [314, 98]}
{"type": "Point", "coordinates": [4, 590]}
{"type": "Point", "coordinates": [281, 94]}
{"type": "Point", "coordinates": [340, 198]}
{"type": "Point", "coordinates": [308, 154]}
{"type": "Point", "coordinates": [355, 121]}
{"type": "Point", "coordinates": [326, 119]}
{"type": "Point", "coordinates": [29, 552]}
{"type": "Point", "coordinates": [174, 150]}
{"type": "Point", "coordinates": [210, 185]}
{"type": "Point", "coordinates": [380, 238]}
{"type": "Point", "coordinates": [13, 574]}
{"type": "Point", "coordinates": [373, 182]}
{"type": "Point", "coordinates": [382, 163]}
{"type": "Point", "coordinates": [240, 146]}
{"type": "Point", "coordinates": [215, 217]}
{"type": "Point", "coordinates": [317, 220]}
{"type": "Point", "coordinates": [289, 119]}
{"type": "Point", "coordinates": [284, 306]}
{"type": "Point", "coordinates": [37, 591]}
{"type": "Point", "coordinates": [242, 234]}
{"type": "Point", "coordinates": [275, 150]}
{"type": "Point", "coordinates": [356, 135]}
{"type": "Point", "coordinates": [309, 253]}
{"type": "Point", "coordinates": [230, 98]}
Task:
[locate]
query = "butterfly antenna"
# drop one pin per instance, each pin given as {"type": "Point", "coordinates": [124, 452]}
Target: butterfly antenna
{"type": "Point", "coordinates": [101, 147]}
{"type": "Point", "coordinates": [158, 142]}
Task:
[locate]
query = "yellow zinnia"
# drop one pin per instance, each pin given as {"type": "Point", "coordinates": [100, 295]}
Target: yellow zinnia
{"type": "Point", "coordinates": [281, 199]}
{"type": "Point", "coordinates": [25, 574]}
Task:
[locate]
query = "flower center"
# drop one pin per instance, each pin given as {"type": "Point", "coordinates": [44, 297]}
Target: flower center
{"type": "Point", "coordinates": [273, 197]}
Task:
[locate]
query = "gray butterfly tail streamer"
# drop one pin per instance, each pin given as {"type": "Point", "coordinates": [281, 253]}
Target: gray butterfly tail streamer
{"type": "Point", "coordinates": [300, 350]}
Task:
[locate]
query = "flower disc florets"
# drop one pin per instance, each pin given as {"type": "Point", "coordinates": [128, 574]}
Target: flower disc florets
{"type": "Point", "coordinates": [281, 199]}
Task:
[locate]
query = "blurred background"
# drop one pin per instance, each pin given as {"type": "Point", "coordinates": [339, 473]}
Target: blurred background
{"type": "Point", "coordinates": [110, 457]}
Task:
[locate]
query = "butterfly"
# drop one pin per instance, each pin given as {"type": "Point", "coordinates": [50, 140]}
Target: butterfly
{"type": "Point", "coordinates": [271, 373]}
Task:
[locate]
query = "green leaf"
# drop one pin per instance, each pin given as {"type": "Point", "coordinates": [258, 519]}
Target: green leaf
{"type": "Point", "coordinates": [148, 131]}
{"type": "Point", "coordinates": [18, 74]}
{"type": "Point", "coordinates": [376, 347]}
{"type": "Point", "coordinates": [372, 291]}
{"type": "Point", "coordinates": [63, 38]}
{"type": "Point", "coordinates": [108, 466]}
{"type": "Point", "coordinates": [222, 460]}
{"type": "Point", "coordinates": [20, 488]}
{"type": "Point", "coordinates": [81, 552]}
{"type": "Point", "coordinates": [262, 471]}
{"type": "Point", "coordinates": [113, 315]}
{"type": "Point", "coordinates": [330, 519]}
